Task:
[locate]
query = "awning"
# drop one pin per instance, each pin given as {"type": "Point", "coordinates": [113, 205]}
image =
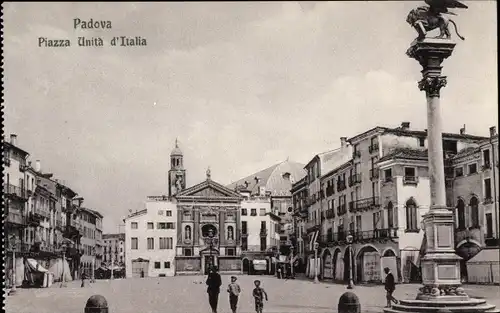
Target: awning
{"type": "Point", "coordinates": [35, 266]}
{"type": "Point", "coordinates": [486, 255]}
{"type": "Point", "coordinates": [314, 238]}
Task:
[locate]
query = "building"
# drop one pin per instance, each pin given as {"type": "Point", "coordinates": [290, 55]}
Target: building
{"type": "Point", "coordinates": [472, 189]}
{"type": "Point", "coordinates": [150, 237]}
{"type": "Point", "coordinates": [90, 241]}
{"type": "Point", "coordinates": [114, 249]}
{"type": "Point", "coordinates": [40, 215]}
{"type": "Point", "coordinates": [378, 197]}
{"type": "Point", "coordinates": [273, 184]}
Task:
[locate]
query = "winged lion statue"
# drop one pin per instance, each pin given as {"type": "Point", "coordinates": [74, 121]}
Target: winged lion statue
{"type": "Point", "coordinates": [427, 18]}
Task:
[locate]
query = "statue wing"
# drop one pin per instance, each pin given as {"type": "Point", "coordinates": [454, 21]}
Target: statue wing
{"type": "Point", "coordinates": [444, 5]}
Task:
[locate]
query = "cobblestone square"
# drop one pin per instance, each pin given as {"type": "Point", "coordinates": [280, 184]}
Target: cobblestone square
{"type": "Point", "coordinates": [187, 294]}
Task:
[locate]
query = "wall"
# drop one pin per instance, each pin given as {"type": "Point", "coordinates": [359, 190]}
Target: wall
{"type": "Point", "coordinates": [142, 233]}
{"type": "Point", "coordinates": [254, 222]}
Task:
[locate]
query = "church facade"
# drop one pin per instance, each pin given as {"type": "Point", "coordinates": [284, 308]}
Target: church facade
{"type": "Point", "coordinates": [208, 222]}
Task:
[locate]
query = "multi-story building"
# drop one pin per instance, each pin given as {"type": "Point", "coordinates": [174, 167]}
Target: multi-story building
{"type": "Point", "coordinates": [89, 219]}
{"type": "Point", "coordinates": [36, 215]}
{"type": "Point", "coordinates": [378, 197]}
{"type": "Point", "coordinates": [300, 198]}
{"type": "Point", "coordinates": [150, 238]}
{"type": "Point", "coordinates": [114, 249]}
{"type": "Point", "coordinates": [472, 189]}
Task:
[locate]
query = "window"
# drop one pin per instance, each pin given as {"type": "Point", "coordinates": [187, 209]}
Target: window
{"type": "Point", "coordinates": [151, 225]}
{"type": "Point", "coordinates": [168, 213]}
{"type": "Point", "coordinates": [263, 224]}
{"type": "Point", "coordinates": [157, 265]}
{"type": "Point", "coordinates": [376, 220]}
{"type": "Point", "coordinates": [459, 171]}
{"type": "Point", "coordinates": [170, 225]}
{"type": "Point", "coordinates": [388, 175]}
{"type": "Point", "coordinates": [253, 212]}
{"type": "Point", "coordinates": [230, 233]}
{"type": "Point", "coordinates": [472, 168]}
{"type": "Point", "coordinates": [134, 225]}
{"type": "Point", "coordinates": [151, 243]}
{"type": "Point", "coordinates": [244, 229]}
{"type": "Point", "coordinates": [390, 215]}
{"type": "Point", "coordinates": [187, 232]}
{"type": "Point", "coordinates": [244, 212]}
{"type": "Point", "coordinates": [489, 225]}
{"type": "Point", "coordinates": [230, 251]}
{"type": "Point", "coordinates": [461, 214]}
{"type": "Point", "coordinates": [262, 212]}
{"type": "Point", "coordinates": [188, 252]}
{"type": "Point", "coordinates": [474, 212]}
{"type": "Point", "coordinates": [421, 142]}
{"type": "Point", "coordinates": [487, 190]}
{"type": "Point", "coordinates": [135, 243]}
{"type": "Point", "coordinates": [411, 216]}
{"type": "Point", "coordinates": [486, 158]}
{"type": "Point", "coordinates": [166, 243]}
{"type": "Point", "coordinates": [161, 225]}
{"type": "Point", "coordinates": [410, 172]}
{"type": "Point", "coordinates": [166, 264]}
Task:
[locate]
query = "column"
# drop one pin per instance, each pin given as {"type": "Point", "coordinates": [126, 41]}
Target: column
{"type": "Point", "coordinates": [440, 265]}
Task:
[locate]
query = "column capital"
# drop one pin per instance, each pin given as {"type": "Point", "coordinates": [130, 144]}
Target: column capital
{"type": "Point", "coordinates": [432, 85]}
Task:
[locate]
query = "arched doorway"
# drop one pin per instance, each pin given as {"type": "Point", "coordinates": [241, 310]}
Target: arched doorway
{"type": "Point", "coordinates": [368, 265]}
{"type": "Point", "coordinates": [327, 269]}
{"type": "Point", "coordinates": [246, 266]}
{"type": "Point", "coordinates": [338, 265]}
{"type": "Point", "coordinates": [466, 251]}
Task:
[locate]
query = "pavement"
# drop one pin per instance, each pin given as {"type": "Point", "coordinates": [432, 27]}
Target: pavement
{"type": "Point", "coordinates": [187, 294]}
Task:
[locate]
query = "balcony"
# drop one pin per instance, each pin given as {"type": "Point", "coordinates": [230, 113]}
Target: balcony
{"type": "Point", "coordinates": [356, 154]}
{"type": "Point", "coordinates": [374, 174]}
{"type": "Point", "coordinates": [373, 147]}
{"type": "Point", "coordinates": [488, 200]}
{"type": "Point", "coordinates": [354, 179]}
{"type": "Point", "coordinates": [375, 235]}
{"type": "Point", "coordinates": [19, 247]}
{"type": "Point", "coordinates": [410, 180]}
{"type": "Point", "coordinates": [388, 179]}
{"type": "Point", "coordinates": [341, 185]}
{"type": "Point", "coordinates": [72, 232]}
{"type": "Point", "coordinates": [364, 204]}
{"type": "Point", "coordinates": [14, 217]}
{"type": "Point", "coordinates": [14, 191]}
{"type": "Point", "coordinates": [41, 213]}
{"type": "Point", "coordinates": [312, 226]}
{"type": "Point", "coordinates": [341, 210]}
{"type": "Point", "coordinates": [332, 239]}
{"type": "Point", "coordinates": [486, 166]}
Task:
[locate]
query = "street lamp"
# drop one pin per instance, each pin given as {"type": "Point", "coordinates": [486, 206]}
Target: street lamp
{"type": "Point", "coordinates": [211, 244]}
{"type": "Point", "coordinates": [13, 242]}
{"type": "Point", "coordinates": [316, 246]}
{"type": "Point", "coordinates": [349, 242]}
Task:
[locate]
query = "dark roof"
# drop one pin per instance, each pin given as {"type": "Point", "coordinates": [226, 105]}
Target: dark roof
{"type": "Point", "coordinates": [406, 153]}
{"type": "Point", "coordinates": [465, 152]}
{"type": "Point", "coordinates": [11, 146]}
{"type": "Point", "coordinates": [94, 212]}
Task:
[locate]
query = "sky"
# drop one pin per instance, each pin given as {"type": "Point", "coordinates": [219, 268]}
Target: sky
{"type": "Point", "coordinates": [242, 86]}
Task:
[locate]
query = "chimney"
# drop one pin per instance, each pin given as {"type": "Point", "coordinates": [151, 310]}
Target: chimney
{"type": "Point", "coordinates": [405, 125]}
{"type": "Point", "coordinates": [38, 166]}
{"type": "Point", "coordinates": [493, 131]}
{"type": "Point", "coordinates": [343, 142]}
{"type": "Point", "coordinates": [462, 130]}
{"type": "Point", "coordinates": [13, 139]}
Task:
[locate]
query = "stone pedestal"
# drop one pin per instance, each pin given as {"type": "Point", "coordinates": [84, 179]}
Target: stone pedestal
{"type": "Point", "coordinates": [440, 265]}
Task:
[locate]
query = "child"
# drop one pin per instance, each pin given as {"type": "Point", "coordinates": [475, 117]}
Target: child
{"type": "Point", "coordinates": [234, 291]}
{"type": "Point", "coordinates": [258, 294]}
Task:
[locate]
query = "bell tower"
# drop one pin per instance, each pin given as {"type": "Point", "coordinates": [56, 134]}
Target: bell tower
{"type": "Point", "coordinates": [177, 173]}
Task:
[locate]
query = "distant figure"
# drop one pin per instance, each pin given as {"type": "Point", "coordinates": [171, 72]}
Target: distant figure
{"type": "Point", "coordinates": [142, 273]}
{"type": "Point", "coordinates": [213, 282]}
{"type": "Point", "coordinates": [84, 276]}
{"type": "Point", "coordinates": [234, 292]}
{"type": "Point", "coordinates": [259, 294]}
{"type": "Point", "coordinates": [390, 286]}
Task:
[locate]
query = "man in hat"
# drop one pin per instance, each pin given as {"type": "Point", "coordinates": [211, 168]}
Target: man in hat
{"type": "Point", "coordinates": [234, 292]}
{"type": "Point", "coordinates": [390, 286]}
{"type": "Point", "coordinates": [213, 282]}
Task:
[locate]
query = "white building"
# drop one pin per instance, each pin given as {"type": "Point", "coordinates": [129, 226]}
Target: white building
{"type": "Point", "coordinates": [150, 237]}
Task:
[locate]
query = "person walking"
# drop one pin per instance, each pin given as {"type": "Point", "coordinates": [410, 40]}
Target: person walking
{"type": "Point", "coordinates": [234, 292]}
{"type": "Point", "coordinates": [213, 282]}
{"type": "Point", "coordinates": [259, 294]}
{"type": "Point", "coordinates": [390, 286]}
